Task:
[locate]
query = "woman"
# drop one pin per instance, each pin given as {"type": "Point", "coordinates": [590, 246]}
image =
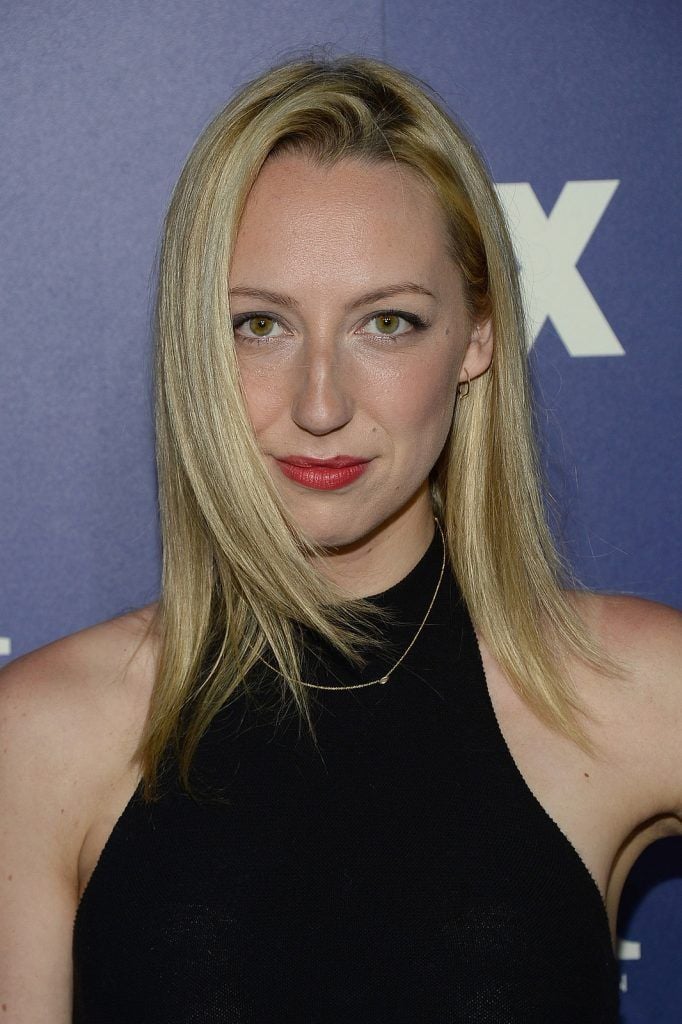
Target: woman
{"type": "Point", "coordinates": [370, 757]}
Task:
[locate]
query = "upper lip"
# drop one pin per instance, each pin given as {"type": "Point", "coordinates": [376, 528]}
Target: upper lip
{"type": "Point", "coordinates": [337, 462]}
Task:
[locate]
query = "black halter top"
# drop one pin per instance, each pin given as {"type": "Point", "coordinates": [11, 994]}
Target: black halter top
{"type": "Point", "coordinates": [401, 872]}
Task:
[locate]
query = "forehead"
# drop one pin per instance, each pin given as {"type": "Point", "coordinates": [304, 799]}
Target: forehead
{"type": "Point", "coordinates": [351, 214]}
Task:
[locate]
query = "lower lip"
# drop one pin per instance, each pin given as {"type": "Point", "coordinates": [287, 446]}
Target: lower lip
{"type": "Point", "coordinates": [323, 478]}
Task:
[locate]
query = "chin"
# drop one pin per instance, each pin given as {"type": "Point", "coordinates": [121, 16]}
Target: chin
{"type": "Point", "coordinates": [332, 529]}
{"type": "Point", "coordinates": [335, 537]}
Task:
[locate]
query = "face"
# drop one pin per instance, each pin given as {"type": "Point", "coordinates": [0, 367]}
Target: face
{"type": "Point", "coordinates": [351, 334]}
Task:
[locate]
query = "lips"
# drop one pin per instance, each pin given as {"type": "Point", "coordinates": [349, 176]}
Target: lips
{"type": "Point", "coordinates": [323, 474]}
{"type": "Point", "coordinates": [337, 462]}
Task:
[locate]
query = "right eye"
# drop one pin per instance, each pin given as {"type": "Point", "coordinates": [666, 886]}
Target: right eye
{"type": "Point", "coordinates": [259, 325]}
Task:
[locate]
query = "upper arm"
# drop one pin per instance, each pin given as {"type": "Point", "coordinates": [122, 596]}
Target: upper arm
{"type": "Point", "coordinates": [39, 838]}
{"type": "Point", "coordinates": [664, 668]}
{"type": "Point", "coordinates": [71, 715]}
{"type": "Point", "coordinates": [647, 637]}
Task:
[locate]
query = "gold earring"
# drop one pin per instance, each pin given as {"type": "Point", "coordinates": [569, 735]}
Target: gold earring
{"type": "Point", "coordinates": [463, 386]}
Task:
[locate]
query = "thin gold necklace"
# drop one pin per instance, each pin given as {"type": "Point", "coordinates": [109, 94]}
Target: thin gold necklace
{"type": "Point", "coordinates": [384, 679]}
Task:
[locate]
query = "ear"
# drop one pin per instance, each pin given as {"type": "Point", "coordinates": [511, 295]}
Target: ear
{"type": "Point", "coordinates": [479, 351]}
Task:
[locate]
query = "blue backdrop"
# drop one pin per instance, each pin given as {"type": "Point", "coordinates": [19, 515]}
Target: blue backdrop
{"type": "Point", "coordinates": [575, 106]}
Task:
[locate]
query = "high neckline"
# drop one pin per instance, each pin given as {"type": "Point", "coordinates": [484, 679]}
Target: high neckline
{"type": "Point", "coordinates": [416, 581]}
{"type": "Point", "coordinates": [407, 602]}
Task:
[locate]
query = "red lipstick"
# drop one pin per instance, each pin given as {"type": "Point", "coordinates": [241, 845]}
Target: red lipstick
{"type": "Point", "coordinates": [323, 474]}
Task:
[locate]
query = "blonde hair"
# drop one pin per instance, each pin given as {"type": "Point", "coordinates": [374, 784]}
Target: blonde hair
{"type": "Point", "coordinates": [237, 575]}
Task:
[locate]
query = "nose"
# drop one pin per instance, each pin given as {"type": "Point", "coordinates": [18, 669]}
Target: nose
{"type": "Point", "coordinates": [322, 400]}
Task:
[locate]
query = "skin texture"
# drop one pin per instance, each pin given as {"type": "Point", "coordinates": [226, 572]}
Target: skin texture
{"type": "Point", "coordinates": [319, 375]}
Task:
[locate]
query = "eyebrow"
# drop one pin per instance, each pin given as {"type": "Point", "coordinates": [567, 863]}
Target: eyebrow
{"type": "Point", "coordinates": [375, 295]}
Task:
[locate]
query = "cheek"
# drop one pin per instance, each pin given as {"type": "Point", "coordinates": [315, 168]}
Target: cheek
{"type": "Point", "coordinates": [264, 395]}
{"type": "Point", "coordinates": [420, 405]}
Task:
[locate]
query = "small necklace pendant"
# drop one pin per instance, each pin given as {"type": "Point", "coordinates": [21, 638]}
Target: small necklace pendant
{"type": "Point", "coordinates": [383, 680]}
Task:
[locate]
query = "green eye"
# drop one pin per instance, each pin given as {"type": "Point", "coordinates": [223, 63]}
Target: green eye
{"type": "Point", "coordinates": [261, 325]}
{"type": "Point", "coordinates": [394, 323]}
{"type": "Point", "coordinates": [387, 323]}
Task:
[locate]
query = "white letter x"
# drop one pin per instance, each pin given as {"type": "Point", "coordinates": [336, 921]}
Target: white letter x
{"type": "Point", "coordinates": [548, 249]}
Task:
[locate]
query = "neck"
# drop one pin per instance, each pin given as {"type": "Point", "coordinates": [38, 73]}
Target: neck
{"type": "Point", "coordinates": [381, 558]}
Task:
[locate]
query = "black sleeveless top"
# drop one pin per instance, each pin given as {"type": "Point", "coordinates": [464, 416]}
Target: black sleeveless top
{"type": "Point", "coordinates": [403, 873]}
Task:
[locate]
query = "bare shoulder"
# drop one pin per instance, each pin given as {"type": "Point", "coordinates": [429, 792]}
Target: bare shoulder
{"type": "Point", "coordinates": [52, 693]}
{"type": "Point", "coordinates": [634, 622]}
{"type": "Point", "coordinates": [71, 713]}
{"type": "Point", "coordinates": [68, 660]}
{"type": "Point", "coordinates": [645, 635]}
{"type": "Point", "coordinates": [644, 706]}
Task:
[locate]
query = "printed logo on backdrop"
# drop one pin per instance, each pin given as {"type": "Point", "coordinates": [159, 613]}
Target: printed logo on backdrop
{"type": "Point", "coordinates": [548, 249]}
{"type": "Point", "coordinates": [627, 951]}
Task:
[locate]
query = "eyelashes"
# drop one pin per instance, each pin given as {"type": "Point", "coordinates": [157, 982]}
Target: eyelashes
{"type": "Point", "coordinates": [417, 323]}
{"type": "Point", "coordinates": [264, 318]}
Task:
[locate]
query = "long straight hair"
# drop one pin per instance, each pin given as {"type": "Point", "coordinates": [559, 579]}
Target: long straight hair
{"type": "Point", "coordinates": [237, 576]}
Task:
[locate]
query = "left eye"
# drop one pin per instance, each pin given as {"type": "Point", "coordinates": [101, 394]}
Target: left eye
{"type": "Point", "coordinates": [260, 326]}
{"type": "Point", "coordinates": [388, 323]}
